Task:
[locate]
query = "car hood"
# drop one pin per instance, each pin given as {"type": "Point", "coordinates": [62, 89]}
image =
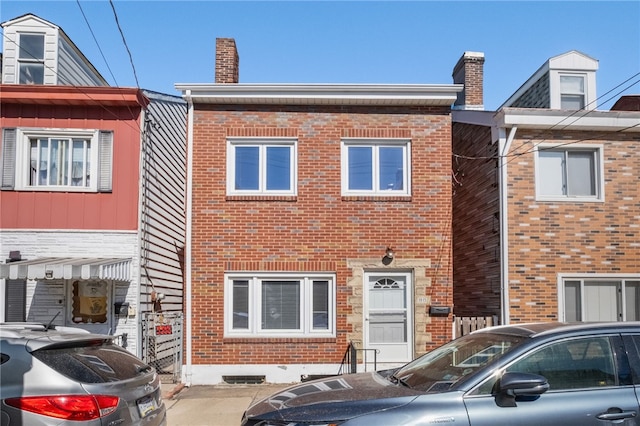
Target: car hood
{"type": "Point", "coordinates": [334, 398]}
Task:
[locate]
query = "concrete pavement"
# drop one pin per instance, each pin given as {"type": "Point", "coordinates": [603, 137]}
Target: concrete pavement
{"type": "Point", "coordinates": [218, 405]}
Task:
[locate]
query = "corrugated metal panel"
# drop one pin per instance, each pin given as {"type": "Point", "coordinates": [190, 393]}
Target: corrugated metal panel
{"type": "Point", "coordinates": [117, 269]}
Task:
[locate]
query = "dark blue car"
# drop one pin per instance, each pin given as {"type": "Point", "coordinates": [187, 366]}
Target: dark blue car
{"type": "Point", "coordinates": [528, 374]}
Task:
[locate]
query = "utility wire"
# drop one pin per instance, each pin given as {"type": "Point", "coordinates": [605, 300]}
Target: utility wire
{"type": "Point", "coordinates": [115, 14]}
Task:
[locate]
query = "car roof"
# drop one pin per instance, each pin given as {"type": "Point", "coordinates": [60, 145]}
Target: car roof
{"type": "Point", "coordinates": [36, 336]}
{"type": "Point", "coordinates": [538, 329]}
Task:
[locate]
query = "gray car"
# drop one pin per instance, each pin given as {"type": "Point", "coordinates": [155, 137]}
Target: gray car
{"type": "Point", "coordinates": [528, 374]}
{"type": "Point", "coordinates": [54, 376]}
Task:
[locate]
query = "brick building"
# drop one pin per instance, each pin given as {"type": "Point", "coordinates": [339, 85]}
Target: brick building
{"type": "Point", "coordinates": [546, 199]}
{"type": "Point", "coordinates": [318, 215]}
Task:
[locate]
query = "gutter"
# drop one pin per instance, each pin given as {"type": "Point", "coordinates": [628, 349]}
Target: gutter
{"type": "Point", "coordinates": [503, 150]}
{"type": "Point", "coordinates": [186, 376]}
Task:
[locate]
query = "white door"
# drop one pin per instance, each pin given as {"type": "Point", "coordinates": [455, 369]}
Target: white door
{"type": "Point", "coordinates": [388, 327]}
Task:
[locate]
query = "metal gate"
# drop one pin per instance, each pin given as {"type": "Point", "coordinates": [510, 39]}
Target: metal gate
{"type": "Point", "coordinates": [162, 336]}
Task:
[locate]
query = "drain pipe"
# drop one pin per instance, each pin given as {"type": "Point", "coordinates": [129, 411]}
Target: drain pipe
{"type": "Point", "coordinates": [504, 145]}
{"type": "Point", "coordinates": [186, 376]}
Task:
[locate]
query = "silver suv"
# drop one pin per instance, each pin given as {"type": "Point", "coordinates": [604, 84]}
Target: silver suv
{"type": "Point", "coordinates": [68, 376]}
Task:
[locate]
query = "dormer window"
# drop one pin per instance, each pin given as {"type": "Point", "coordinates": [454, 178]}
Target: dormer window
{"type": "Point", "coordinates": [31, 59]}
{"type": "Point", "coordinates": [572, 96]}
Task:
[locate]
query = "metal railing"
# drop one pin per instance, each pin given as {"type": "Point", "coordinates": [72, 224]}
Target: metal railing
{"type": "Point", "coordinates": [349, 364]}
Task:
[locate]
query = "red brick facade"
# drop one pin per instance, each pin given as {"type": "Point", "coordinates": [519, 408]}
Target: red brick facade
{"type": "Point", "coordinates": [317, 230]}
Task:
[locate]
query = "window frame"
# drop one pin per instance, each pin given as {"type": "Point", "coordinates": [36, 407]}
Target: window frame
{"type": "Point", "coordinates": [255, 281]}
{"type": "Point", "coordinates": [263, 144]}
{"type": "Point", "coordinates": [565, 92]}
{"type": "Point", "coordinates": [375, 144]}
{"type": "Point", "coordinates": [23, 158]}
{"type": "Point", "coordinates": [30, 60]}
{"type": "Point", "coordinates": [598, 172]}
{"type": "Point", "coordinates": [619, 279]}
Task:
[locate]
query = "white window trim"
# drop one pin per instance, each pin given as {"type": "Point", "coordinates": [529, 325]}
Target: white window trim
{"type": "Point", "coordinates": [348, 142]}
{"type": "Point", "coordinates": [556, 88]}
{"type": "Point", "coordinates": [23, 158]}
{"type": "Point", "coordinates": [598, 148]}
{"type": "Point", "coordinates": [255, 306]}
{"type": "Point", "coordinates": [561, 278]}
{"type": "Point", "coordinates": [262, 143]}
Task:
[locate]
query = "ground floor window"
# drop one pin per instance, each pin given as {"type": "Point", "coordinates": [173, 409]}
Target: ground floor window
{"type": "Point", "coordinates": [279, 305]}
{"type": "Point", "coordinates": [601, 299]}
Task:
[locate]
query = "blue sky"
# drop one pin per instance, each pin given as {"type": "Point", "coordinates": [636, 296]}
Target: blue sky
{"type": "Point", "coordinates": [415, 42]}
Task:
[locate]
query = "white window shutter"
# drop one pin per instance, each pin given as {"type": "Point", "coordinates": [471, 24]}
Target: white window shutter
{"type": "Point", "coordinates": [8, 158]}
{"type": "Point", "coordinates": [105, 161]}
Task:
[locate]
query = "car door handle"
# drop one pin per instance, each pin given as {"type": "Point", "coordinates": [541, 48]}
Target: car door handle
{"type": "Point", "coordinates": [618, 414]}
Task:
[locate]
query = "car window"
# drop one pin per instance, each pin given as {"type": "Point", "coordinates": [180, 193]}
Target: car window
{"type": "Point", "coordinates": [92, 363]}
{"type": "Point", "coordinates": [571, 364]}
{"type": "Point", "coordinates": [439, 369]}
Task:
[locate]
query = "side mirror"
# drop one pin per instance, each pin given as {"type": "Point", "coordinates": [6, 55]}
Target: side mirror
{"type": "Point", "coordinates": [513, 384]}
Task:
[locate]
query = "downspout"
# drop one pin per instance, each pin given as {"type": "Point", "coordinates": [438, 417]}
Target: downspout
{"type": "Point", "coordinates": [187, 251]}
{"type": "Point", "coordinates": [504, 145]}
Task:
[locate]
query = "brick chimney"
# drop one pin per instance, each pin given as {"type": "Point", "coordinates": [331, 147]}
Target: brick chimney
{"type": "Point", "coordinates": [227, 61]}
{"type": "Point", "coordinates": [470, 71]}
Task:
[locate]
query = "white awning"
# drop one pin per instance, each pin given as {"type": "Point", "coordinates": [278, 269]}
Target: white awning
{"type": "Point", "coordinates": [68, 268]}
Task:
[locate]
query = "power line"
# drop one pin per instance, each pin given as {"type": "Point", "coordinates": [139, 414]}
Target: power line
{"type": "Point", "coordinates": [124, 41]}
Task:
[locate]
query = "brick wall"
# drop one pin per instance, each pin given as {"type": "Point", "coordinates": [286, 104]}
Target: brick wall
{"type": "Point", "coordinates": [318, 230]}
{"type": "Point", "coordinates": [476, 222]}
{"type": "Point", "coordinates": [547, 238]}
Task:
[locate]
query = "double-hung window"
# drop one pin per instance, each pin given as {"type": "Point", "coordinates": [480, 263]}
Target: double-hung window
{"type": "Point", "coordinates": [261, 166]}
{"type": "Point", "coordinates": [57, 160]}
{"type": "Point", "coordinates": [31, 58]}
{"type": "Point", "coordinates": [572, 92]}
{"type": "Point", "coordinates": [376, 167]}
{"type": "Point", "coordinates": [282, 305]}
{"type": "Point", "coordinates": [573, 173]}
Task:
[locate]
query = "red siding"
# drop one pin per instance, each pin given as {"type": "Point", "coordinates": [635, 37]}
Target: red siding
{"type": "Point", "coordinates": [59, 210]}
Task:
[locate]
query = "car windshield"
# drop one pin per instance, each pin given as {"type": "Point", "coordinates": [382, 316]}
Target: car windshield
{"type": "Point", "coordinates": [437, 370]}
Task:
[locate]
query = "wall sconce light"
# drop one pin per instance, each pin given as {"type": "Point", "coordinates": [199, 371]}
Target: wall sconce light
{"type": "Point", "coordinates": [388, 256]}
{"type": "Point", "coordinates": [48, 274]}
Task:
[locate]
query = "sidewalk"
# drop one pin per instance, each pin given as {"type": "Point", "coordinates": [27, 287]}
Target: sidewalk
{"type": "Point", "coordinates": [218, 405]}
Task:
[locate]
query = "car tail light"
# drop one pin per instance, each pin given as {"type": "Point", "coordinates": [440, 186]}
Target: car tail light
{"type": "Point", "coordinates": [68, 407]}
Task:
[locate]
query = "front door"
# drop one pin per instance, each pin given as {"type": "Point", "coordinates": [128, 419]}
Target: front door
{"type": "Point", "coordinates": [388, 327]}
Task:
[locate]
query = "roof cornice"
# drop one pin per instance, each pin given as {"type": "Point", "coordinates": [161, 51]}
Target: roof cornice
{"type": "Point", "coordinates": [321, 94]}
{"type": "Point", "coordinates": [530, 118]}
{"type": "Point", "coordinates": [71, 95]}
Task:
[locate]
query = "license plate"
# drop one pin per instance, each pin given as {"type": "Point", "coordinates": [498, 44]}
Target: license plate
{"type": "Point", "coordinates": [146, 406]}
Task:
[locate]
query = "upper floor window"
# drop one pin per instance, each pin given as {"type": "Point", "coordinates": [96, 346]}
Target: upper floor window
{"type": "Point", "coordinates": [35, 159]}
{"type": "Point", "coordinates": [280, 305]}
{"type": "Point", "coordinates": [572, 92]}
{"type": "Point", "coordinates": [569, 173]}
{"type": "Point", "coordinates": [31, 59]}
{"type": "Point", "coordinates": [261, 166]}
{"type": "Point", "coordinates": [375, 167]}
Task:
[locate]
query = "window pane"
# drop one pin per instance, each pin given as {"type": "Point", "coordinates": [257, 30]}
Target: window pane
{"type": "Point", "coordinates": [632, 300]}
{"type": "Point", "coordinates": [278, 168]}
{"type": "Point", "coordinates": [77, 163]}
{"type": "Point", "coordinates": [572, 311]}
{"type": "Point", "coordinates": [572, 102]}
{"type": "Point", "coordinates": [31, 74]}
{"type": "Point", "coordinates": [391, 168]}
{"type": "Point", "coordinates": [241, 304]}
{"type": "Point", "coordinates": [320, 305]}
{"type": "Point", "coordinates": [571, 84]}
{"type": "Point", "coordinates": [31, 46]}
{"type": "Point", "coordinates": [44, 162]}
{"type": "Point", "coordinates": [247, 167]}
{"type": "Point", "coordinates": [601, 301]}
{"type": "Point", "coordinates": [280, 305]}
{"type": "Point", "coordinates": [551, 173]}
{"type": "Point", "coordinates": [581, 173]}
{"type": "Point", "coordinates": [360, 167]}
